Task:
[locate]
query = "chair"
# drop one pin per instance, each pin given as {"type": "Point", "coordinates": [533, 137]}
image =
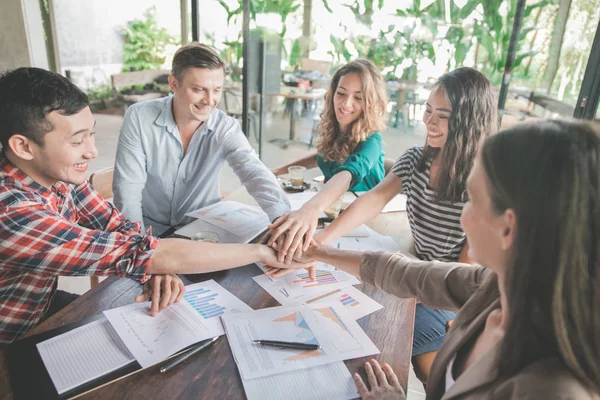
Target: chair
{"type": "Point", "coordinates": [233, 107]}
{"type": "Point", "coordinates": [102, 181]}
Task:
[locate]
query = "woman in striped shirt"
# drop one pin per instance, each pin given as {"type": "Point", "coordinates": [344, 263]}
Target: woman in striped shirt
{"type": "Point", "coordinates": [460, 113]}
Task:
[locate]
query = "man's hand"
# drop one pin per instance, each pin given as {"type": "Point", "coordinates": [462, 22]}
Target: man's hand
{"type": "Point", "coordinates": [308, 258]}
{"type": "Point", "coordinates": [164, 291]}
{"type": "Point", "coordinates": [383, 381]}
{"type": "Point", "coordinates": [299, 227]}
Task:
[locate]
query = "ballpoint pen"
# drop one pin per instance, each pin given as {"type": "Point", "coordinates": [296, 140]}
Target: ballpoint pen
{"type": "Point", "coordinates": [291, 345]}
{"type": "Point", "coordinates": [182, 357]}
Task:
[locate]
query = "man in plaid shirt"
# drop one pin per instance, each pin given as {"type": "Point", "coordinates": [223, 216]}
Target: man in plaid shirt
{"type": "Point", "coordinates": [53, 223]}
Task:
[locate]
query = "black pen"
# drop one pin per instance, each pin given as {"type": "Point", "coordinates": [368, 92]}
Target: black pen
{"type": "Point", "coordinates": [182, 357]}
{"type": "Point", "coordinates": [291, 345]}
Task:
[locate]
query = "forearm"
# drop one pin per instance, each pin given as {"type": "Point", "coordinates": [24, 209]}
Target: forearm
{"type": "Point", "coordinates": [346, 260]}
{"type": "Point", "coordinates": [187, 257]}
{"type": "Point", "coordinates": [365, 208]}
{"type": "Point", "coordinates": [332, 191]}
{"type": "Point", "coordinates": [308, 162]}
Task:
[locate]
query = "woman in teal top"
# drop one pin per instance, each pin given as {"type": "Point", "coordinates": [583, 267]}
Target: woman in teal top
{"type": "Point", "coordinates": [349, 151]}
{"type": "Point", "coordinates": [365, 165]}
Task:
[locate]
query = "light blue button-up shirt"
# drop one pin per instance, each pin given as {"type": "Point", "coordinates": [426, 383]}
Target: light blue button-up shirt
{"type": "Point", "coordinates": [157, 184]}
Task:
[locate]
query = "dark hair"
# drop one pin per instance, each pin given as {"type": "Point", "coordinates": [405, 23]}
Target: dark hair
{"type": "Point", "coordinates": [548, 173]}
{"type": "Point", "coordinates": [195, 55]}
{"type": "Point", "coordinates": [474, 116]}
{"type": "Point", "coordinates": [28, 95]}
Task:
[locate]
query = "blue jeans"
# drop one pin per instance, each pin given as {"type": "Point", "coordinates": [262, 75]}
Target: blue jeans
{"type": "Point", "coordinates": [430, 329]}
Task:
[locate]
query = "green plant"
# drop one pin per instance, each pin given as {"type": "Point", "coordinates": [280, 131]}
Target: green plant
{"type": "Point", "coordinates": [145, 43]}
{"type": "Point", "coordinates": [102, 92]}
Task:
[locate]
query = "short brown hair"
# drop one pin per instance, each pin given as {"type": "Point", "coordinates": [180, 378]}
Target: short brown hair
{"type": "Point", "coordinates": [195, 55]}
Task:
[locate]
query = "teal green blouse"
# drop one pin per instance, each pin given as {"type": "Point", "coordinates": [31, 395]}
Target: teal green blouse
{"type": "Point", "coordinates": [365, 164]}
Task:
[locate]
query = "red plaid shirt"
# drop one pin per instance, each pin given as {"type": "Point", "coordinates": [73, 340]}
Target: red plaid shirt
{"type": "Point", "coordinates": [64, 231]}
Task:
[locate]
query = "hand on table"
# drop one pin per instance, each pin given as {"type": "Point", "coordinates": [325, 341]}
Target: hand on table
{"type": "Point", "coordinates": [164, 291]}
{"type": "Point", "coordinates": [383, 381]}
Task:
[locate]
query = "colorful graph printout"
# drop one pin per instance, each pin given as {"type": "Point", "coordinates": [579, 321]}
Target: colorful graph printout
{"type": "Point", "coordinates": [205, 302]}
{"type": "Point", "coordinates": [196, 317]}
{"type": "Point", "coordinates": [330, 326]}
{"type": "Point", "coordinates": [356, 302]}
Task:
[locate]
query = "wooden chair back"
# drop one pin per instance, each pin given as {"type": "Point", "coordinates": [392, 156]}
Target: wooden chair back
{"type": "Point", "coordinates": [102, 181]}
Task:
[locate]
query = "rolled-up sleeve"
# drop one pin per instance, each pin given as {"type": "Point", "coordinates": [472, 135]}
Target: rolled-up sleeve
{"type": "Point", "coordinates": [362, 160]}
{"type": "Point", "coordinates": [439, 285]}
{"type": "Point", "coordinates": [130, 168]}
{"type": "Point", "coordinates": [254, 175]}
{"type": "Point", "coordinates": [35, 239]}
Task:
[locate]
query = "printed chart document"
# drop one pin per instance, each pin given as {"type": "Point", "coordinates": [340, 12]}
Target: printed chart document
{"type": "Point", "coordinates": [83, 354]}
{"type": "Point", "coordinates": [330, 381]}
{"type": "Point", "coordinates": [357, 303]}
{"type": "Point", "coordinates": [328, 325]}
{"type": "Point", "coordinates": [240, 219]}
{"type": "Point", "coordinates": [296, 287]}
{"type": "Point", "coordinates": [193, 319]}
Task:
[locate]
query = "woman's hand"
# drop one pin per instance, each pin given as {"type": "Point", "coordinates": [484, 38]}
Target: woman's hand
{"type": "Point", "coordinates": [269, 258]}
{"type": "Point", "coordinates": [383, 381]}
{"type": "Point", "coordinates": [298, 227]}
{"type": "Point", "coordinates": [164, 291]}
{"type": "Point", "coordinates": [309, 256]}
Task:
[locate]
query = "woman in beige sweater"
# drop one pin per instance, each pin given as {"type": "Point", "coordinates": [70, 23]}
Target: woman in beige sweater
{"type": "Point", "coordinates": [529, 321]}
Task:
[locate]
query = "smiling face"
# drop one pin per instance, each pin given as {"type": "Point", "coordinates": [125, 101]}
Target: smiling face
{"type": "Point", "coordinates": [348, 100]}
{"type": "Point", "coordinates": [436, 116]}
{"type": "Point", "coordinates": [196, 93]}
{"type": "Point", "coordinates": [66, 151]}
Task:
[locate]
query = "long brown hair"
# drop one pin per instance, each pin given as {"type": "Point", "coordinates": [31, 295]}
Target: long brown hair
{"type": "Point", "coordinates": [474, 116]}
{"type": "Point", "coordinates": [331, 144]}
{"type": "Point", "coordinates": [548, 173]}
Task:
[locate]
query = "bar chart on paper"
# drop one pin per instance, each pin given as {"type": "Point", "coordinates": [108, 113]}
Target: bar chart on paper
{"type": "Point", "coordinates": [205, 302]}
{"type": "Point", "coordinates": [197, 317]}
{"type": "Point", "coordinates": [324, 277]}
{"type": "Point", "coordinates": [354, 301]}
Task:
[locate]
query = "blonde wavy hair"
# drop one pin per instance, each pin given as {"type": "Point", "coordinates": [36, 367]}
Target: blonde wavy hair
{"type": "Point", "coordinates": [332, 145]}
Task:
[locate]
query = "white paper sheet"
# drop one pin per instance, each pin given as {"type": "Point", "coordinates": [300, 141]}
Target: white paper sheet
{"type": "Point", "coordinates": [331, 381]}
{"type": "Point", "coordinates": [296, 287]}
{"type": "Point", "coordinates": [328, 325]}
{"type": "Point", "coordinates": [195, 318]}
{"type": "Point", "coordinates": [240, 219]}
{"type": "Point", "coordinates": [356, 302]}
{"type": "Point", "coordinates": [83, 354]}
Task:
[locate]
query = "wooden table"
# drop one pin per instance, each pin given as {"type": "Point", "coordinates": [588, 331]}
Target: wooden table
{"type": "Point", "coordinates": [213, 373]}
{"type": "Point", "coordinates": [293, 95]}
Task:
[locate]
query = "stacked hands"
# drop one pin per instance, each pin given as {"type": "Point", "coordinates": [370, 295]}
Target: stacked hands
{"type": "Point", "coordinates": [292, 237]}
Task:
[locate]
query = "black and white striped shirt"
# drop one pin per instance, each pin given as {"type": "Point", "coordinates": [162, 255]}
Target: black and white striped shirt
{"type": "Point", "coordinates": [435, 226]}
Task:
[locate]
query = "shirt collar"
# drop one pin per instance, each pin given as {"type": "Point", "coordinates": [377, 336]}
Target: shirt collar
{"type": "Point", "coordinates": [8, 169]}
{"type": "Point", "coordinates": [167, 120]}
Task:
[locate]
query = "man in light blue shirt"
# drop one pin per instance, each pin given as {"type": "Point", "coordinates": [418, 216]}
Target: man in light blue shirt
{"type": "Point", "coordinates": [171, 150]}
